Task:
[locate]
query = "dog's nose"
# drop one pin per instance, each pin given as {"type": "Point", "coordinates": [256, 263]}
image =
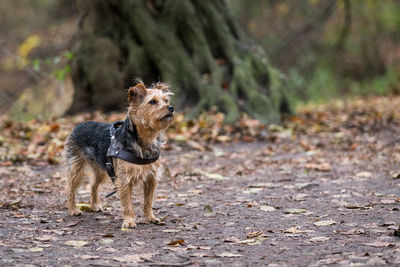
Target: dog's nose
{"type": "Point", "coordinates": [171, 108]}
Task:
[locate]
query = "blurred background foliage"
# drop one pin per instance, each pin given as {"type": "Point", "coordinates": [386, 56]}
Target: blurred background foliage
{"type": "Point", "coordinates": [324, 48]}
{"type": "Point", "coordinates": [328, 48]}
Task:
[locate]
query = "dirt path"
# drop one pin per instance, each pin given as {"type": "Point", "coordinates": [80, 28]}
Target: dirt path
{"type": "Point", "coordinates": [321, 198]}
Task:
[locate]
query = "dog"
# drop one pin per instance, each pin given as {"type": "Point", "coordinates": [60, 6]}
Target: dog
{"type": "Point", "coordinates": [89, 144]}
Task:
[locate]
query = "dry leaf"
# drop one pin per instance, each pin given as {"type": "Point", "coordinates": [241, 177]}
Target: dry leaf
{"type": "Point", "coordinates": [395, 175]}
{"type": "Point", "coordinates": [295, 211]}
{"type": "Point", "coordinates": [266, 208]}
{"type": "Point", "coordinates": [176, 242]}
{"type": "Point", "coordinates": [216, 176]}
{"type": "Point", "coordinates": [45, 238]}
{"type": "Point", "coordinates": [36, 249]}
{"type": "Point", "coordinates": [253, 190]}
{"type": "Point", "coordinates": [76, 243]}
{"type": "Point", "coordinates": [171, 230]}
{"type": "Point", "coordinates": [106, 241]}
{"type": "Point", "coordinates": [354, 232]}
{"type": "Point", "coordinates": [254, 234]}
{"type": "Point", "coordinates": [84, 207]}
{"type": "Point", "coordinates": [292, 230]}
{"type": "Point", "coordinates": [207, 209]}
{"type": "Point", "coordinates": [196, 145]}
{"type": "Point", "coordinates": [232, 239]}
{"type": "Point", "coordinates": [223, 138]}
{"type": "Point", "coordinates": [319, 167]}
{"type": "Point", "coordinates": [325, 223]}
{"type": "Point", "coordinates": [253, 241]}
{"type": "Point", "coordinates": [364, 175]}
{"type": "Point", "coordinates": [229, 255]}
{"type": "Point", "coordinates": [380, 244]}
{"type": "Point", "coordinates": [319, 239]}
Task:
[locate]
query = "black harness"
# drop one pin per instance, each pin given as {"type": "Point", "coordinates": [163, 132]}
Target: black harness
{"type": "Point", "coordinates": [130, 156]}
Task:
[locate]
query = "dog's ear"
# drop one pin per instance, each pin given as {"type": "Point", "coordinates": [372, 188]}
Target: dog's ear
{"type": "Point", "coordinates": [137, 93]}
{"type": "Point", "coordinates": [162, 86]}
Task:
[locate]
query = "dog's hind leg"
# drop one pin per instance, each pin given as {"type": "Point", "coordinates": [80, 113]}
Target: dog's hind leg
{"type": "Point", "coordinates": [99, 178]}
{"type": "Point", "coordinates": [74, 166]}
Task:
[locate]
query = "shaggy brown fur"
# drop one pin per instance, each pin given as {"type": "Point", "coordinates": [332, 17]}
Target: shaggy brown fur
{"type": "Point", "coordinates": [150, 112]}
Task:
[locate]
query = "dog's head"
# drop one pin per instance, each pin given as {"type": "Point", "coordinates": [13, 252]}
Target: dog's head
{"type": "Point", "coordinates": [150, 107]}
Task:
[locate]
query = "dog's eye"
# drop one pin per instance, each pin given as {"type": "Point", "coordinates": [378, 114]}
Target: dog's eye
{"type": "Point", "coordinates": [166, 101]}
{"type": "Point", "coordinates": [152, 102]}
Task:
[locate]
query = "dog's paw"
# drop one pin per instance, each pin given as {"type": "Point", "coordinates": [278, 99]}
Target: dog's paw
{"type": "Point", "coordinates": [152, 219]}
{"type": "Point", "coordinates": [96, 208]}
{"type": "Point", "coordinates": [74, 212]}
{"type": "Point", "coordinates": [129, 223]}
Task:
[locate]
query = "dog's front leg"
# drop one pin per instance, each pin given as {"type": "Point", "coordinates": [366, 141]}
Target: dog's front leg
{"type": "Point", "coordinates": [125, 196]}
{"type": "Point", "coordinates": [149, 188]}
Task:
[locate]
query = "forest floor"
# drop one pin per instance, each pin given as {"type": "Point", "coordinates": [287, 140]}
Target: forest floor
{"type": "Point", "coordinates": [324, 189]}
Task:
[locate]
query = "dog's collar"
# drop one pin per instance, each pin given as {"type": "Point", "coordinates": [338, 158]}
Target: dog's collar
{"type": "Point", "coordinates": [130, 156]}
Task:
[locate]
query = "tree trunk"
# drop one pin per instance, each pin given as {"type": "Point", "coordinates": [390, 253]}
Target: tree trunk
{"type": "Point", "coordinates": [194, 45]}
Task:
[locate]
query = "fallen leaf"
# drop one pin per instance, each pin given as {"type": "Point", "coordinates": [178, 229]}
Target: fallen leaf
{"type": "Point", "coordinates": [229, 255]}
{"type": "Point", "coordinates": [232, 239]}
{"type": "Point", "coordinates": [72, 224]}
{"type": "Point", "coordinates": [388, 201]}
{"type": "Point", "coordinates": [216, 176]}
{"type": "Point", "coordinates": [76, 243]}
{"type": "Point", "coordinates": [253, 241]}
{"type": "Point", "coordinates": [292, 230]}
{"type": "Point", "coordinates": [364, 175]}
{"type": "Point", "coordinates": [264, 185]}
{"type": "Point", "coordinates": [36, 249]}
{"type": "Point", "coordinates": [254, 234]}
{"type": "Point", "coordinates": [196, 145]}
{"type": "Point", "coordinates": [252, 190]}
{"type": "Point", "coordinates": [380, 244]}
{"type": "Point", "coordinates": [266, 208]}
{"type": "Point", "coordinates": [319, 167]}
{"type": "Point", "coordinates": [108, 235]}
{"type": "Point", "coordinates": [300, 197]}
{"type": "Point", "coordinates": [204, 247]}
{"type": "Point", "coordinates": [84, 207]}
{"type": "Point", "coordinates": [295, 211]}
{"type": "Point", "coordinates": [223, 138]}
{"type": "Point", "coordinates": [207, 209]}
{"type": "Point", "coordinates": [193, 205]}
{"type": "Point", "coordinates": [59, 232]}
{"type": "Point", "coordinates": [106, 241]}
{"type": "Point", "coordinates": [319, 239]}
{"type": "Point", "coordinates": [219, 153]}
{"type": "Point", "coordinates": [45, 238]}
{"type": "Point", "coordinates": [354, 232]}
{"type": "Point", "coordinates": [353, 207]}
{"type": "Point", "coordinates": [325, 223]}
{"type": "Point", "coordinates": [395, 175]}
{"type": "Point", "coordinates": [171, 230]}
{"type": "Point", "coordinates": [176, 242]}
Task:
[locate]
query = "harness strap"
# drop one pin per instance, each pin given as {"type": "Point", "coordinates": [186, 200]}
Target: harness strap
{"type": "Point", "coordinates": [131, 157]}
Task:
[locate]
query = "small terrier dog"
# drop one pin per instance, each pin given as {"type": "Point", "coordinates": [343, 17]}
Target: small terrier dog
{"type": "Point", "coordinates": [149, 113]}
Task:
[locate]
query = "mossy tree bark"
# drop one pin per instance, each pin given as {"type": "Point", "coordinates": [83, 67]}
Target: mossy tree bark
{"type": "Point", "coordinates": [195, 46]}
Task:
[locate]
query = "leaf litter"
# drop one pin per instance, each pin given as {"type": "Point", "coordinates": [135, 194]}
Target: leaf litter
{"type": "Point", "coordinates": [337, 151]}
